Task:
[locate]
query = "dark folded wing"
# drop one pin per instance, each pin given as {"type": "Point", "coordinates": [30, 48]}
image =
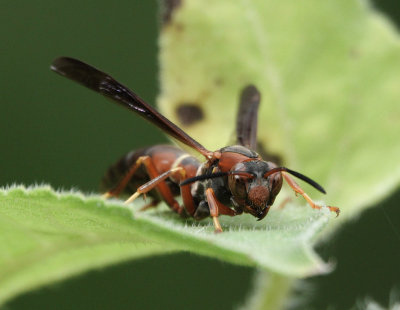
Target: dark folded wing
{"type": "Point", "coordinates": [104, 84]}
{"type": "Point", "coordinates": [246, 121]}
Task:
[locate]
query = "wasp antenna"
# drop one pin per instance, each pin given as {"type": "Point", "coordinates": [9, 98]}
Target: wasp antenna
{"type": "Point", "coordinates": [307, 180]}
{"type": "Point", "coordinates": [297, 175]}
{"type": "Point", "coordinates": [203, 177]}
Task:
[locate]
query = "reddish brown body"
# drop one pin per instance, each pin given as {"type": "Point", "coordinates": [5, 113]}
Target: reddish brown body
{"type": "Point", "coordinates": [232, 180]}
{"type": "Point", "coordinates": [163, 158]}
{"type": "Point", "coordinates": [167, 157]}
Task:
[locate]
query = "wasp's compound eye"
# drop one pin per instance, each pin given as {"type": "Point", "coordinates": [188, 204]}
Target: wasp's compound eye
{"type": "Point", "coordinates": [275, 185]}
{"type": "Point", "coordinates": [238, 185]}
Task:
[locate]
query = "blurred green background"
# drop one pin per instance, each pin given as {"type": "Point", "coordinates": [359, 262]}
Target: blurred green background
{"type": "Point", "coordinates": [54, 131]}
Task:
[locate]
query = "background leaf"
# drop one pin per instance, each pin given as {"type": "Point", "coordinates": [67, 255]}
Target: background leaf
{"type": "Point", "coordinates": [48, 236]}
{"type": "Point", "coordinates": [329, 84]}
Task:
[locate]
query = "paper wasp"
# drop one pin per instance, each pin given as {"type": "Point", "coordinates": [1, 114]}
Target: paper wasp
{"type": "Point", "coordinates": [232, 180]}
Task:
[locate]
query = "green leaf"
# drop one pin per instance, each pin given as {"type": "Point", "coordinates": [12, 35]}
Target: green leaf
{"type": "Point", "coordinates": [328, 72]}
{"type": "Point", "coordinates": [46, 236]}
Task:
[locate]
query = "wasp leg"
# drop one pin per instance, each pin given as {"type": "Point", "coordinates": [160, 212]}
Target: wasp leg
{"type": "Point", "coordinates": [222, 209]}
{"type": "Point", "coordinates": [124, 181]}
{"type": "Point", "coordinates": [284, 203]}
{"type": "Point", "coordinates": [213, 205]}
{"type": "Point", "coordinates": [187, 199]}
{"type": "Point", "coordinates": [215, 208]}
{"type": "Point", "coordinates": [150, 205]}
{"type": "Point", "coordinates": [299, 190]}
{"type": "Point", "coordinates": [158, 181]}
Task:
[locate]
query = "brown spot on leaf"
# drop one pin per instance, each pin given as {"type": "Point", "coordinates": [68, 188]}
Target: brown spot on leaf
{"type": "Point", "coordinates": [167, 9]}
{"type": "Point", "coordinates": [189, 113]}
{"type": "Point", "coordinates": [178, 27]}
{"type": "Point", "coordinates": [219, 82]}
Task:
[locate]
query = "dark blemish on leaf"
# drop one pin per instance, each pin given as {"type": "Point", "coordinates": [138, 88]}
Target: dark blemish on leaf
{"type": "Point", "coordinates": [219, 82]}
{"type": "Point", "coordinates": [355, 53]}
{"type": "Point", "coordinates": [189, 113]}
{"type": "Point", "coordinates": [168, 8]}
{"type": "Point", "coordinates": [267, 156]}
{"type": "Point", "coordinates": [178, 27]}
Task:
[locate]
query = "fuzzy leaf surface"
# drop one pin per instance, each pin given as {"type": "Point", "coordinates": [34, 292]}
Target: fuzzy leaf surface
{"type": "Point", "coordinates": [46, 236]}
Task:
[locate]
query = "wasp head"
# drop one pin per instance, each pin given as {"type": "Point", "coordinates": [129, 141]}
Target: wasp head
{"type": "Point", "coordinates": [253, 191]}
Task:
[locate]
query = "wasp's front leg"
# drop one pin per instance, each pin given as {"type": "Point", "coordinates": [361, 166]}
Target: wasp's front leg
{"type": "Point", "coordinates": [300, 191]}
{"type": "Point", "coordinates": [217, 208]}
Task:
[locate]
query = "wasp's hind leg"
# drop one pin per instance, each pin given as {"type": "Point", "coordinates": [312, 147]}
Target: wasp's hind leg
{"type": "Point", "coordinates": [158, 182]}
{"type": "Point", "coordinates": [122, 183]}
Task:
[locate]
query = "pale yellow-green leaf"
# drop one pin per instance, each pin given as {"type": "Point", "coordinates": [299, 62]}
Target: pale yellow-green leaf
{"type": "Point", "coordinates": [328, 72]}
